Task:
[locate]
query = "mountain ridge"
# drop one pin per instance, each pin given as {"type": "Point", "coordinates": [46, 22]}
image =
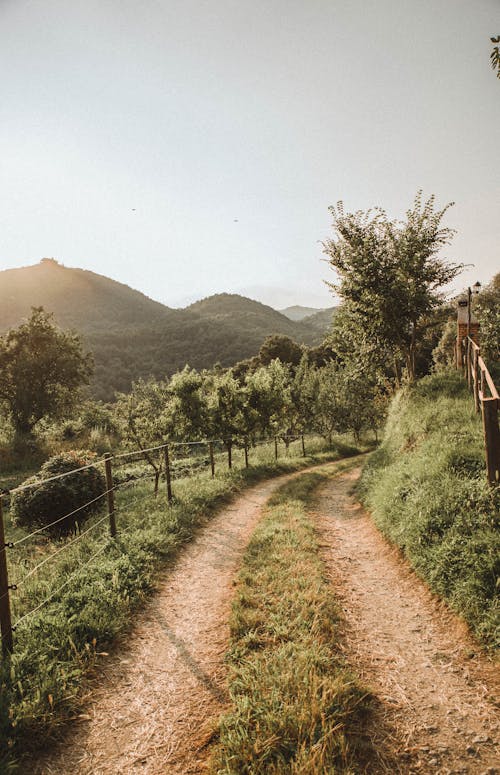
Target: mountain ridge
{"type": "Point", "coordinates": [133, 336]}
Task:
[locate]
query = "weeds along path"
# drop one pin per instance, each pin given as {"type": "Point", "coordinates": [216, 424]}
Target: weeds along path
{"type": "Point", "coordinates": [435, 709]}
{"type": "Point", "coordinates": [155, 702]}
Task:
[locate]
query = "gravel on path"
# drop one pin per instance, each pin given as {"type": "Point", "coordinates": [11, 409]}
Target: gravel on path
{"type": "Point", "coordinates": [435, 689]}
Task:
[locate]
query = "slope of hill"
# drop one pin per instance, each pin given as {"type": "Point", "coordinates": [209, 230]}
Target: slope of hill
{"type": "Point", "coordinates": [297, 312]}
{"type": "Point", "coordinates": [79, 299]}
{"type": "Point", "coordinates": [250, 316]}
{"type": "Point", "coordinates": [133, 336]}
{"type": "Point", "coordinates": [321, 320]}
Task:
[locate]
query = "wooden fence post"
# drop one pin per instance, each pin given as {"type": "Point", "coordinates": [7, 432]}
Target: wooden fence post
{"type": "Point", "coordinates": [491, 438]}
{"type": "Point", "coordinates": [468, 363]}
{"type": "Point", "coordinates": [5, 618]}
{"type": "Point", "coordinates": [475, 379]}
{"type": "Point", "coordinates": [303, 446]}
{"type": "Point", "coordinates": [229, 453]}
{"type": "Point", "coordinates": [167, 473]}
{"type": "Point", "coordinates": [246, 453]}
{"type": "Point", "coordinates": [275, 447]}
{"type": "Point", "coordinates": [212, 461]}
{"type": "Point", "coordinates": [110, 494]}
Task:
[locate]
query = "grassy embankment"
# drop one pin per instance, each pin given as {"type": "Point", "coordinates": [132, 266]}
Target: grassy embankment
{"type": "Point", "coordinates": [296, 708]}
{"type": "Point", "coordinates": [426, 487]}
{"type": "Point", "coordinates": [55, 647]}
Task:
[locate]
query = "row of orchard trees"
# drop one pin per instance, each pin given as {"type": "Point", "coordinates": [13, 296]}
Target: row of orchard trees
{"type": "Point", "coordinates": [277, 399]}
{"type": "Point", "coordinates": [285, 390]}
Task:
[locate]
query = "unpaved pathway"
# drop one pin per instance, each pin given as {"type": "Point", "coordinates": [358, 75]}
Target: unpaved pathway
{"type": "Point", "coordinates": [435, 711]}
{"type": "Point", "coordinates": [161, 692]}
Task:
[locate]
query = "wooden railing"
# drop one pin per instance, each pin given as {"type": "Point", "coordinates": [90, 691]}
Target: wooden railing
{"type": "Point", "coordinates": [486, 401]}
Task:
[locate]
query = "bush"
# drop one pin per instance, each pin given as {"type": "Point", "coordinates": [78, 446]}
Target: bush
{"type": "Point", "coordinates": [48, 501]}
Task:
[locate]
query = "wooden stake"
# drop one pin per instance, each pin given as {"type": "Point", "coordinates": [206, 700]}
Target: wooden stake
{"type": "Point", "coordinates": [275, 447]}
{"type": "Point", "coordinates": [110, 494]}
{"type": "Point", "coordinates": [303, 446]}
{"type": "Point", "coordinates": [5, 617]}
{"type": "Point", "coordinates": [212, 461]}
{"type": "Point", "coordinates": [468, 364]}
{"type": "Point", "coordinates": [229, 455]}
{"type": "Point", "coordinates": [246, 453]}
{"type": "Point", "coordinates": [475, 382]}
{"type": "Point", "coordinates": [491, 439]}
{"type": "Point", "coordinates": [167, 473]}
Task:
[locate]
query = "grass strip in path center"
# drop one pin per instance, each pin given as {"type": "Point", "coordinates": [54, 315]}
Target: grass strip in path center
{"type": "Point", "coordinates": [296, 708]}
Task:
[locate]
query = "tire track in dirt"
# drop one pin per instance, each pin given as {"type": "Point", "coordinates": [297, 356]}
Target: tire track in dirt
{"type": "Point", "coordinates": [157, 699]}
{"type": "Point", "coordinates": [435, 690]}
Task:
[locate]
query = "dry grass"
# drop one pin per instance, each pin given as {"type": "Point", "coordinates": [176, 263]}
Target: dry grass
{"type": "Point", "coordinates": [296, 707]}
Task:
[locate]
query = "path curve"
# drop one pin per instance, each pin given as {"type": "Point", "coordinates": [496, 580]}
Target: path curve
{"type": "Point", "coordinates": [163, 689]}
{"type": "Point", "coordinates": [436, 709]}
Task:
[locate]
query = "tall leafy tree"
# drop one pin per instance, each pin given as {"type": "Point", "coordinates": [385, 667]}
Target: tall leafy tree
{"type": "Point", "coordinates": [487, 308]}
{"type": "Point", "coordinates": [42, 369]}
{"type": "Point", "coordinates": [390, 275]}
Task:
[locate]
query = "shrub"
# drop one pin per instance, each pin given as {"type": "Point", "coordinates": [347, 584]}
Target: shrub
{"type": "Point", "coordinates": [48, 501]}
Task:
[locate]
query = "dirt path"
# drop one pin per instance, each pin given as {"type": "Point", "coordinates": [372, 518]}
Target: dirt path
{"type": "Point", "coordinates": [161, 692]}
{"type": "Point", "coordinates": [435, 711]}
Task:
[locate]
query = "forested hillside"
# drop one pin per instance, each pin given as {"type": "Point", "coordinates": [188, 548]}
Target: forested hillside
{"type": "Point", "coordinates": [132, 336]}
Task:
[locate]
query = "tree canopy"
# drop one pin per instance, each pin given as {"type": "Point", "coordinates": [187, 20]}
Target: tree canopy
{"type": "Point", "coordinates": [42, 369]}
{"type": "Point", "coordinates": [390, 278]}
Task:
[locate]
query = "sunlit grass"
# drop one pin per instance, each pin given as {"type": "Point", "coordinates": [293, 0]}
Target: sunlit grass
{"type": "Point", "coordinates": [426, 486]}
{"type": "Point", "coordinates": [296, 708]}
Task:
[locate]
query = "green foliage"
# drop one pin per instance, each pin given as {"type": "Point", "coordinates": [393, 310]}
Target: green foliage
{"type": "Point", "coordinates": [186, 411]}
{"type": "Point", "coordinates": [41, 371]}
{"type": "Point", "coordinates": [426, 486]}
{"type": "Point", "coordinates": [495, 55]}
{"type": "Point", "coordinates": [281, 347]}
{"type": "Point", "coordinates": [443, 354]}
{"type": "Point", "coordinates": [47, 501]}
{"type": "Point", "coordinates": [389, 277]}
{"type": "Point", "coordinates": [225, 399]}
{"type": "Point", "coordinates": [487, 309]}
{"type": "Point", "coordinates": [295, 707]}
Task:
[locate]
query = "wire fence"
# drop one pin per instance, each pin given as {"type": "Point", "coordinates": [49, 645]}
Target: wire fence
{"type": "Point", "coordinates": [163, 464]}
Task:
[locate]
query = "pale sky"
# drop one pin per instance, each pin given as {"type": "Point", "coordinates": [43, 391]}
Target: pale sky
{"type": "Point", "coordinates": [188, 147]}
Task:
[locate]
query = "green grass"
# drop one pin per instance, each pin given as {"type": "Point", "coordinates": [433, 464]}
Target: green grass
{"type": "Point", "coordinates": [296, 708]}
{"type": "Point", "coordinates": [426, 487]}
{"type": "Point", "coordinates": [55, 647]}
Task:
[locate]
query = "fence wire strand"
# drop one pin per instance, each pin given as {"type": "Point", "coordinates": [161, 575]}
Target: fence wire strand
{"type": "Point", "coordinates": [32, 571]}
{"type": "Point", "coordinates": [60, 588]}
{"type": "Point", "coordinates": [60, 519]}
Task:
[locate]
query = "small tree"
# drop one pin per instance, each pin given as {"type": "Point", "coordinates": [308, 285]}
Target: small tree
{"type": "Point", "coordinates": [185, 414]}
{"type": "Point", "coordinates": [281, 347]}
{"type": "Point", "coordinates": [42, 369]}
{"type": "Point", "coordinates": [225, 399]}
{"type": "Point", "coordinates": [390, 274]}
{"type": "Point", "coordinates": [138, 413]}
{"type": "Point", "coordinates": [268, 398]}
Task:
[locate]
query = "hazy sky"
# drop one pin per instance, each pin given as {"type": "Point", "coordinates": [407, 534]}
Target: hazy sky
{"type": "Point", "coordinates": [188, 147]}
